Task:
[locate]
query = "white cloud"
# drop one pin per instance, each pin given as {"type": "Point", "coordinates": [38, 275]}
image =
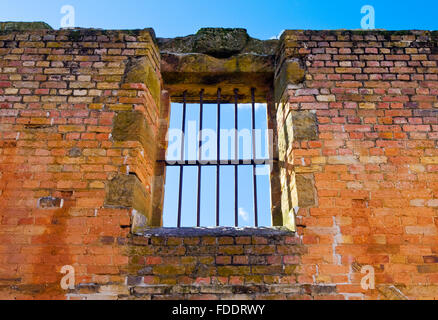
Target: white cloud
{"type": "Point", "coordinates": [278, 36]}
{"type": "Point", "coordinates": [243, 214]}
{"type": "Point", "coordinates": [248, 105]}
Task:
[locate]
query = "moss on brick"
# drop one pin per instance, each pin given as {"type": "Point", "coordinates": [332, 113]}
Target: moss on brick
{"type": "Point", "coordinates": [219, 43]}
{"type": "Point", "coordinates": [75, 36]}
{"type": "Point", "coordinates": [127, 191]}
{"type": "Point", "coordinates": [133, 126]}
{"type": "Point", "coordinates": [292, 72]}
{"type": "Point", "coordinates": [23, 26]}
{"type": "Point", "coordinates": [139, 70]}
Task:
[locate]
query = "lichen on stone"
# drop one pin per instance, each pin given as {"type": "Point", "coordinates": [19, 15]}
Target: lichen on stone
{"type": "Point", "coordinates": [219, 43]}
{"type": "Point", "coordinates": [23, 26]}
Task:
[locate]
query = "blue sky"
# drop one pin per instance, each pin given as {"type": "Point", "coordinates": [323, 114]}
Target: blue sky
{"type": "Point", "coordinates": [262, 18]}
{"type": "Point", "coordinates": [208, 182]}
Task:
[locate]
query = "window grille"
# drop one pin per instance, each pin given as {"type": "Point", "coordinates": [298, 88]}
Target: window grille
{"type": "Point", "coordinates": [236, 161]}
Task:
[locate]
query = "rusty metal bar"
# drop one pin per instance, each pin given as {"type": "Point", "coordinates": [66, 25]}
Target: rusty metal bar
{"type": "Point", "coordinates": [218, 155]}
{"type": "Point", "coordinates": [181, 171]}
{"type": "Point", "coordinates": [254, 168]}
{"type": "Point", "coordinates": [201, 109]}
{"type": "Point", "coordinates": [236, 158]}
{"type": "Point", "coordinates": [172, 163]}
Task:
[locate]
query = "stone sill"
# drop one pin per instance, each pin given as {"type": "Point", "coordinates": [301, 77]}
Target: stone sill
{"type": "Point", "coordinates": [248, 289]}
{"type": "Point", "coordinates": [216, 232]}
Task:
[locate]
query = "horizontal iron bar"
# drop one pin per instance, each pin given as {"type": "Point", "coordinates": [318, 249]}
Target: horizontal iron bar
{"type": "Point", "coordinates": [213, 102]}
{"type": "Point", "coordinates": [215, 162]}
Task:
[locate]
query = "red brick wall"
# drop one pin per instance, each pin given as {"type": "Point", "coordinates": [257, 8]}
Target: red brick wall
{"type": "Point", "coordinates": [374, 161]}
{"type": "Point", "coordinates": [59, 93]}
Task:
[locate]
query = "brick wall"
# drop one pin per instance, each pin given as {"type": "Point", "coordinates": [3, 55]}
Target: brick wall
{"type": "Point", "coordinates": [83, 115]}
{"type": "Point", "coordinates": [62, 94]}
{"type": "Point", "coordinates": [224, 264]}
{"type": "Point", "coordinates": [359, 130]}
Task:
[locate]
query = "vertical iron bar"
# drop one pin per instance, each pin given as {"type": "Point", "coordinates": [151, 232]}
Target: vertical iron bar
{"type": "Point", "coordinates": [236, 156]}
{"type": "Point", "coordinates": [254, 168]}
{"type": "Point", "coordinates": [181, 170]}
{"type": "Point", "coordinates": [218, 154]}
{"type": "Point", "coordinates": [201, 105]}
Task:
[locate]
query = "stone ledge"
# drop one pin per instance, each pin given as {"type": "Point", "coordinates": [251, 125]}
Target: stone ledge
{"type": "Point", "coordinates": [216, 232]}
{"type": "Point", "coordinates": [246, 289]}
{"type": "Point", "coordinates": [23, 26]}
{"type": "Point", "coordinates": [218, 58]}
{"type": "Point", "coordinates": [219, 43]}
{"type": "Point", "coordinates": [192, 72]}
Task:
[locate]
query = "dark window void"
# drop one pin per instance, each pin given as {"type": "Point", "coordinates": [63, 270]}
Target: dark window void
{"type": "Point", "coordinates": [218, 164]}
